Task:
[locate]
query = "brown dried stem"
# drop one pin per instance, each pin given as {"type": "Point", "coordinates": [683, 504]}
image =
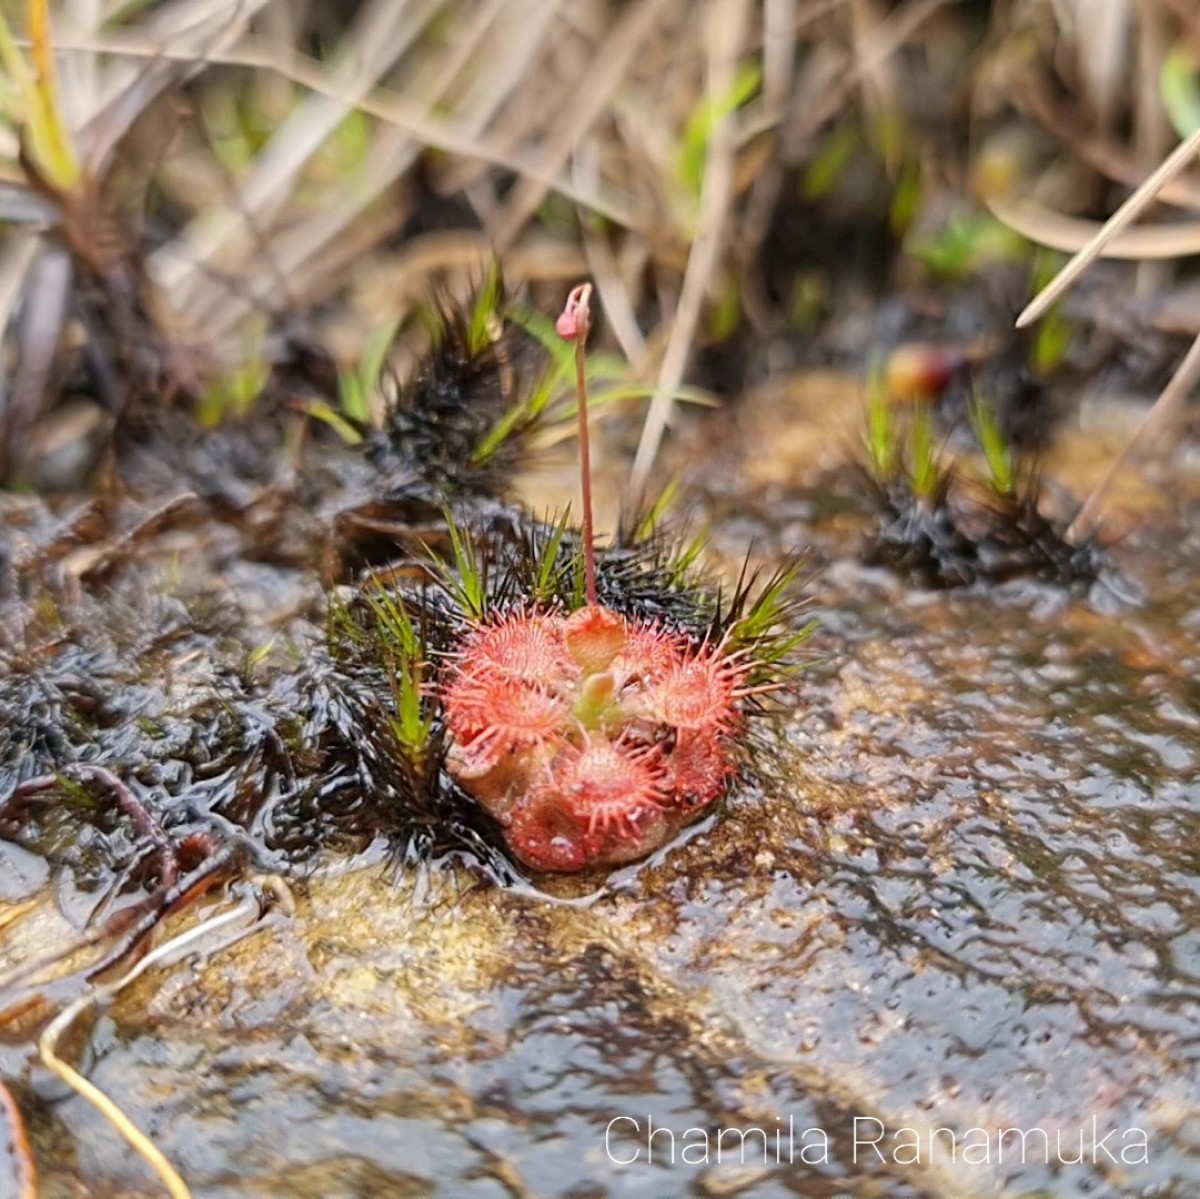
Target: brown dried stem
{"type": "Point", "coordinates": [128, 803]}
{"type": "Point", "coordinates": [26, 1168]}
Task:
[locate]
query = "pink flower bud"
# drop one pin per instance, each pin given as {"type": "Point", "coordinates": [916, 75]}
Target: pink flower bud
{"type": "Point", "coordinates": [576, 316]}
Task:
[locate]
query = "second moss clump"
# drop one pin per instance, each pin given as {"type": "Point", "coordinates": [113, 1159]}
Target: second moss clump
{"type": "Point", "coordinates": [945, 526]}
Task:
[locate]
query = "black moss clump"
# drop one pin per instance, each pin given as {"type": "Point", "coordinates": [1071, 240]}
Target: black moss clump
{"type": "Point", "coordinates": [944, 545]}
{"type": "Point", "coordinates": [919, 536]}
{"type": "Point", "coordinates": [109, 728]}
{"type": "Point", "coordinates": [336, 746]}
{"type": "Point", "coordinates": [956, 539]}
{"type": "Point", "coordinates": [1021, 541]}
{"type": "Point", "coordinates": [442, 437]}
{"type": "Point", "coordinates": [451, 438]}
{"type": "Point", "coordinates": [288, 763]}
{"type": "Point", "coordinates": [940, 526]}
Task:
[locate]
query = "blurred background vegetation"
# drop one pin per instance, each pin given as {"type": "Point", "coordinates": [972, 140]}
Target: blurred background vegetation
{"type": "Point", "coordinates": [226, 204]}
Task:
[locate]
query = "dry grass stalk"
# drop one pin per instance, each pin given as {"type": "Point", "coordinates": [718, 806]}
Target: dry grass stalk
{"type": "Point", "coordinates": [1114, 238]}
{"type": "Point", "coordinates": [414, 120]}
{"type": "Point", "coordinates": [1176, 161]}
{"type": "Point", "coordinates": [587, 100]}
{"type": "Point", "coordinates": [1073, 234]}
{"type": "Point", "coordinates": [1156, 421]}
{"type": "Point", "coordinates": [141, 1144]}
{"type": "Point", "coordinates": [726, 34]}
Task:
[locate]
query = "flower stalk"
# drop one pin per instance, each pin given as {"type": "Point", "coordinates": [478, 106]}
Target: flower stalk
{"type": "Point", "coordinates": [574, 324]}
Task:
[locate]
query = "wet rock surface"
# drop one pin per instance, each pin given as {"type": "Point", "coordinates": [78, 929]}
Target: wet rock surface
{"type": "Point", "coordinates": [965, 897]}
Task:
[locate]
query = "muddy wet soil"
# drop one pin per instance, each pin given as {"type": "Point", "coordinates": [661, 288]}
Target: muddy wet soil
{"type": "Point", "coordinates": [965, 897]}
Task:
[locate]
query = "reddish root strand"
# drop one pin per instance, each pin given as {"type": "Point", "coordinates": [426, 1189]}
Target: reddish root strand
{"type": "Point", "coordinates": [129, 803]}
{"type": "Point", "coordinates": [25, 1172]}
